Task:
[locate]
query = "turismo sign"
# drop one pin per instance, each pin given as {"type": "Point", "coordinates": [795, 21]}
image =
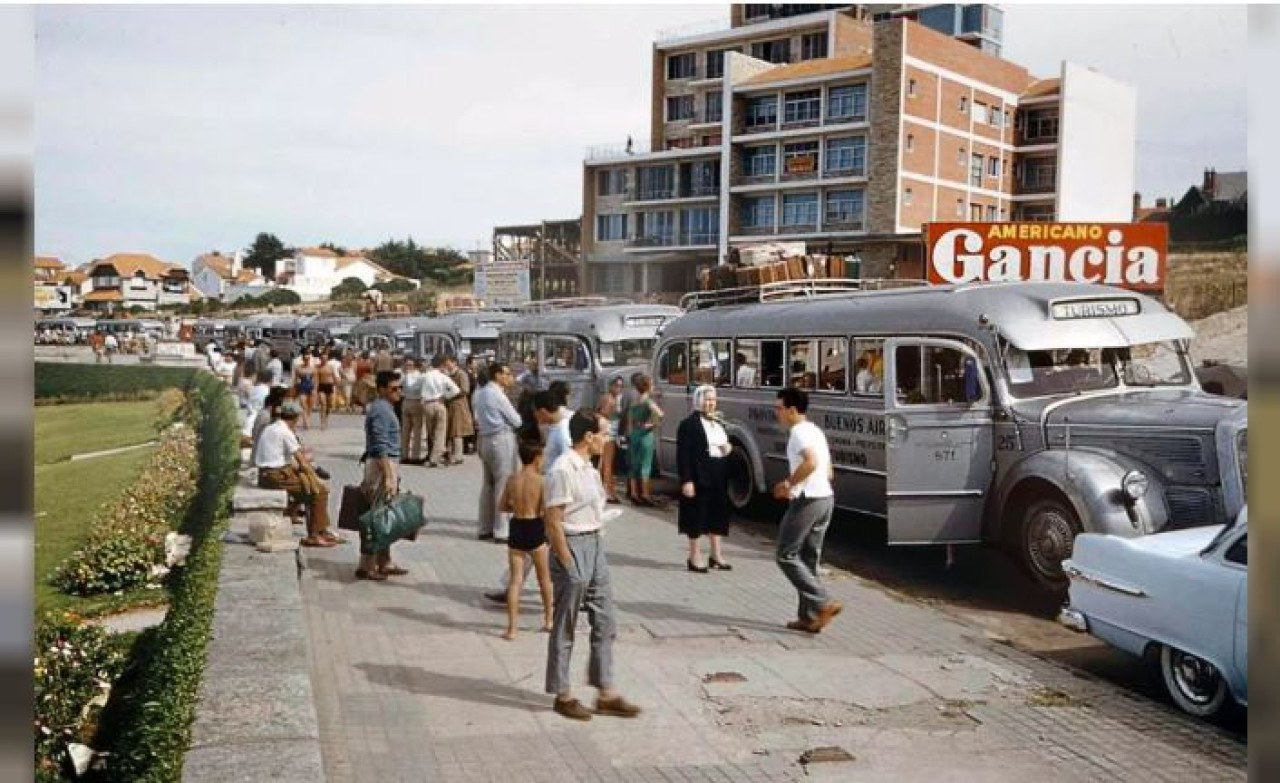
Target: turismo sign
{"type": "Point", "coordinates": [1128, 255]}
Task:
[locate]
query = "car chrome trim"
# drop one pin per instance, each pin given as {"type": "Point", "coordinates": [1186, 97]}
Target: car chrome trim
{"type": "Point", "coordinates": [1076, 573]}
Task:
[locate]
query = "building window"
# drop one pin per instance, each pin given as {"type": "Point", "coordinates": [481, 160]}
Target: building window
{"type": "Point", "coordinates": [800, 158]}
{"type": "Point", "coordinates": [996, 117]}
{"type": "Point", "coordinates": [847, 155]}
{"type": "Point", "coordinates": [611, 228]}
{"type": "Point", "coordinates": [700, 178]}
{"type": "Point", "coordinates": [715, 62]}
{"type": "Point", "coordinates": [778, 51]}
{"type": "Point", "coordinates": [757, 212]}
{"type": "Point", "coordinates": [975, 212]}
{"type": "Point", "coordinates": [844, 209]}
{"type": "Point", "coordinates": [911, 88]}
{"type": "Point", "coordinates": [911, 142]}
{"type": "Point", "coordinates": [813, 46]}
{"type": "Point", "coordinates": [975, 171]}
{"type": "Point", "coordinates": [759, 161]}
{"type": "Point", "coordinates": [611, 182]}
{"type": "Point", "coordinates": [714, 107]}
{"type": "Point", "coordinates": [1038, 174]}
{"type": "Point", "coordinates": [847, 103]}
{"type": "Point", "coordinates": [682, 66]}
{"type": "Point", "coordinates": [980, 113]}
{"type": "Point", "coordinates": [959, 207]}
{"type": "Point", "coordinates": [655, 229]}
{"type": "Point", "coordinates": [1041, 125]}
{"type": "Point", "coordinates": [964, 103]}
{"type": "Point", "coordinates": [993, 168]}
{"type": "Point", "coordinates": [762, 112]}
{"type": "Point", "coordinates": [991, 212]}
{"type": "Point", "coordinates": [679, 107]}
{"type": "Point", "coordinates": [801, 107]}
{"type": "Point", "coordinates": [907, 197]}
{"type": "Point", "coordinates": [1035, 213]}
{"type": "Point", "coordinates": [655, 182]}
{"type": "Point", "coordinates": [700, 226]}
{"type": "Point", "coordinates": [800, 210]}
{"type": "Point", "coordinates": [961, 158]}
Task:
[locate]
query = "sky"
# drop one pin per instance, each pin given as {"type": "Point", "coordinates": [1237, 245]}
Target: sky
{"type": "Point", "coordinates": [179, 130]}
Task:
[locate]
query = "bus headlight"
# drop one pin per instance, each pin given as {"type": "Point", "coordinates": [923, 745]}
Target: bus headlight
{"type": "Point", "coordinates": [1135, 484]}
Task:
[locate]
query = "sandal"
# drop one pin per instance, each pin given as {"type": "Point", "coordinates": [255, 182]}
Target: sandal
{"type": "Point", "coordinates": [372, 576]}
{"type": "Point", "coordinates": [394, 571]}
{"type": "Point", "coordinates": [328, 536]}
{"type": "Point", "coordinates": [317, 542]}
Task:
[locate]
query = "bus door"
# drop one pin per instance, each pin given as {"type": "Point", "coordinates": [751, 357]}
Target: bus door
{"type": "Point", "coordinates": [672, 391]}
{"type": "Point", "coordinates": [567, 358]}
{"type": "Point", "coordinates": [938, 441]}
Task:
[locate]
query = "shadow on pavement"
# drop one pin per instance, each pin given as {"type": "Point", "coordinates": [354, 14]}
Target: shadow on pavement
{"type": "Point", "coordinates": [418, 681]}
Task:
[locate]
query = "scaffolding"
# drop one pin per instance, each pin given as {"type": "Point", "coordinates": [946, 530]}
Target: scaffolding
{"type": "Point", "coordinates": [553, 251]}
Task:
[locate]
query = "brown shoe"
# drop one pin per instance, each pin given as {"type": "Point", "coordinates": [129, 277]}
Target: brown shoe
{"type": "Point", "coordinates": [572, 709]}
{"type": "Point", "coordinates": [394, 571]}
{"type": "Point", "coordinates": [803, 625]}
{"type": "Point", "coordinates": [826, 614]}
{"type": "Point", "coordinates": [372, 576]}
{"type": "Point", "coordinates": [618, 707]}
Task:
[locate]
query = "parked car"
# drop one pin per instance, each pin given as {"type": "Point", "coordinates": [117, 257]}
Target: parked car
{"type": "Point", "coordinates": [1183, 595]}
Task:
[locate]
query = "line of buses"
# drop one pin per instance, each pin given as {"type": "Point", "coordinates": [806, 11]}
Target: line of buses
{"type": "Point", "coordinates": [1016, 414]}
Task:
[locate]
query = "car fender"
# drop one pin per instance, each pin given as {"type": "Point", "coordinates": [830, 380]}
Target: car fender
{"type": "Point", "coordinates": [1091, 481]}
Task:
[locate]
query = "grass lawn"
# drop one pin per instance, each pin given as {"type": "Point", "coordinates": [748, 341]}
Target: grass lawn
{"type": "Point", "coordinates": [63, 430]}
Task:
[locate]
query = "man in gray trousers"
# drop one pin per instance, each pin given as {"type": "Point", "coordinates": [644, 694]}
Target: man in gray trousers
{"type": "Point", "coordinates": [496, 423]}
{"type": "Point", "coordinates": [575, 503]}
{"type": "Point", "coordinates": [807, 488]}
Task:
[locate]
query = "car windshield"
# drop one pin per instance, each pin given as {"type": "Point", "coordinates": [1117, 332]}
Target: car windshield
{"type": "Point", "coordinates": [626, 353]}
{"type": "Point", "coordinates": [1072, 370]}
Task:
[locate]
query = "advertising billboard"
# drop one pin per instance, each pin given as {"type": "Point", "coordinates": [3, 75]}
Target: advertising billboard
{"type": "Point", "coordinates": [502, 284]}
{"type": "Point", "coordinates": [53, 297]}
{"type": "Point", "coordinates": [1127, 255]}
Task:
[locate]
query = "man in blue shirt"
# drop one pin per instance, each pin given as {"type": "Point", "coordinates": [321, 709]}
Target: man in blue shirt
{"type": "Point", "coordinates": [381, 453]}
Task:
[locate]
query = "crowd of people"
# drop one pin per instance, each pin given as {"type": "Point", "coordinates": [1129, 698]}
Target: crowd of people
{"type": "Point", "coordinates": [549, 475]}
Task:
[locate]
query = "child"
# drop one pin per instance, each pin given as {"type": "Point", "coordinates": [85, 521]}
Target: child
{"type": "Point", "coordinates": [522, 497]}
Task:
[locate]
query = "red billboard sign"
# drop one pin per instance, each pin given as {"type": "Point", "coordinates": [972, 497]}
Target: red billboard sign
{"type": "Point", "coordinates": [1127, 255]}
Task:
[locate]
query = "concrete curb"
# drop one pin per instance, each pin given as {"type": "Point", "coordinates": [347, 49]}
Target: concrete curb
{"type": "Point", "coordinates": [257, 717]}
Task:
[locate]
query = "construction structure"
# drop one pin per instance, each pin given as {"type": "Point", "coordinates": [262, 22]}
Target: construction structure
{"type": "Point", "coordinates": [552, 250]}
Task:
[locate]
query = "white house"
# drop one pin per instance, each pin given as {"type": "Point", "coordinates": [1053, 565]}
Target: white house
{"type": "Point", "coordinates": [213, 273]}
{"type": "Point", "coordinates": [313, 272]}
{"type": "Point", "coordinates": [126, 280]}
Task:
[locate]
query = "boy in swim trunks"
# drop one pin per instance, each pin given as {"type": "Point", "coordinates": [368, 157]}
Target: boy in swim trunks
{"type": "Point", "coordinates": [522, 498]}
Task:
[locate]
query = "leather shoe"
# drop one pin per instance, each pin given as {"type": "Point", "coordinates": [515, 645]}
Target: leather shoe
{"type": "Point", "coordinates": [802, 625]}
{"type": "Point", "coordinates": [572, 709]}
{"type": "Point", "coordinates": [394, 571]}
{"type": "Point", "coordinates": [497, 598]}
{"type": "Point", "coordinates": [826, 614]}
{"type": "Point", "coordinates": [696, 569]}
{"type": "Point", "coordinates": [485, 537]}
{"type": "Point", "coordinates": [618, 707]}
{"type": "Point", "coordinates": [372, 576]}
{"type": "Point", "coordinates": [719, 565]}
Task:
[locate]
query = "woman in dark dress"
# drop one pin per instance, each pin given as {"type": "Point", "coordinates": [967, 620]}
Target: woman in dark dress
{"type": "Point", "coordinates": [701, 448]}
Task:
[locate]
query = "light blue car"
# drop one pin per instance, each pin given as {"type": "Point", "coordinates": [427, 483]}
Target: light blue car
{"type": "Point", "coordinates": [1183, 594]}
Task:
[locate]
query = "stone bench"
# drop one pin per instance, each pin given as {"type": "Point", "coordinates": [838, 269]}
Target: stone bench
{"type": "Point", "coordinates": [261, 514]}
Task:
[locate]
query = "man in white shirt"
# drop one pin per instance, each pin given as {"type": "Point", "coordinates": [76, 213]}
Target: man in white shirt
{"type": "Point", "coordinates": [436, 388]}
{"type": "Point", "coordinates": [276, 368]}
{"type": "Point", "coordinates": [282, 464]}
{"type": "Point", "coordinates": [413, 423]}
{"type": "Point", "coordinates": [807, 488]}
{"type": "Point", "coordinates": [254, 403]}
{"type": "Point", "coordinates": [575, 502]}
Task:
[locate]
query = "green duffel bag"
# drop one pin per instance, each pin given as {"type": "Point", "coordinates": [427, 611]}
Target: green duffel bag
{"type": "Point", "coordinates": [387, 522]}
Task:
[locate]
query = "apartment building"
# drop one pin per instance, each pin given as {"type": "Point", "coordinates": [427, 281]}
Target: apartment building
{"type": "Point", "coordinates": [846, 134]}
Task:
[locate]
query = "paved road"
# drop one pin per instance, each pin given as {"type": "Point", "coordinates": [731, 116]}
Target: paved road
{"type": "Point", "coordinates": [414, 683]}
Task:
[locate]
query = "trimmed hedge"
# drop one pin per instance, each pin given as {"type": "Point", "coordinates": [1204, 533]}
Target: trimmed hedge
{"type": "Point", "coordinates": [60, 382]}
{"type": "Point", "coordinates": [146, 725]}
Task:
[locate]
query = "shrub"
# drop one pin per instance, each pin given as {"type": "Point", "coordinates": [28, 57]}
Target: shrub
{"type": "Point", "coordinates": [125, 548]}
{"type": "Point", "coordinates": [94, 383]}
{"type": "Point", "coordinates": [75, 664]}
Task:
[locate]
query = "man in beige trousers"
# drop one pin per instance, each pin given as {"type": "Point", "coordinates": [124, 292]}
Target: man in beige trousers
{"type": "Point", "coordinates": [437, 389]}
{"type": "Point", "coordinates": [414, 414]}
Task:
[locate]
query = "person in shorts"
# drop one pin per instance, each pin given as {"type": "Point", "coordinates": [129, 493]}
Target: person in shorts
{"type": "Point", "coordinates": [527, 535]}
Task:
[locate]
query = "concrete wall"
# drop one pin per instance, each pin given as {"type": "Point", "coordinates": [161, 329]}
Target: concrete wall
{"type": "Point", "coordinates": [1198, 285]}
{"type": "Point", "coordinates": [885, 101]}
{"type": "Point", "coordinates": [1096, 144]}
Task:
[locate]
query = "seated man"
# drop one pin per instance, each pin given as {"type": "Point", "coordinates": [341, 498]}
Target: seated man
{"type": "Point", "coordinates": [282, 464]}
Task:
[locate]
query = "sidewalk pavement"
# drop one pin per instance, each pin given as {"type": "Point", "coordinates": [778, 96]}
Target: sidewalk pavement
{"type": "Point", "coordinates": [414, 683]}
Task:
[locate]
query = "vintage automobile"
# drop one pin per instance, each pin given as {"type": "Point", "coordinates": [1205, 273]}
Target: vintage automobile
{"type": "Point", "coordinates": [1182, 595]}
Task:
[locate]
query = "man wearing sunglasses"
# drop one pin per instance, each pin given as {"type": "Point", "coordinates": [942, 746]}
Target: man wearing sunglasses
{"type": "Point", "coordinates": [381, 453]}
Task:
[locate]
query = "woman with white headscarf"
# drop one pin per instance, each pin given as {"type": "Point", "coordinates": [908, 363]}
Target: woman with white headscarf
{"type": "Point", "coordinates": [701, 448]}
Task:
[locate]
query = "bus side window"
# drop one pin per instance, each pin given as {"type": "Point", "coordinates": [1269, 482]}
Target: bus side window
{"type": "Point", "coordinates": [801, 365]}
{"type": "Point", "coordinates": [746, 364]}
{"type": "Point", "coordinates": [673, 366]}
{"type": "Point", "coordinates": [868, 367]}
{"type": "Point", "coordinates": [936, 375]}
{"type": "Point", "coordinates": [772, 363]}
{"type": "Point", "coordinates": [833, 358]}
{"type": "Point", "coordinates": [711, 362]}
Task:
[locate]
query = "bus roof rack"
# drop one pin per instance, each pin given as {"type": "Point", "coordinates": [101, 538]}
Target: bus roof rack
{"type": "Point", "coordinates": [568, 303]}
{"type": "Point", "coordinates": [792, 289]}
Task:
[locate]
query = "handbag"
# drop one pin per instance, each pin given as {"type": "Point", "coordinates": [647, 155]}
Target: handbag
{"type": "Point", "coordinates": [388, 521]}
{"type": "Point", "coordinates": [354, 504]}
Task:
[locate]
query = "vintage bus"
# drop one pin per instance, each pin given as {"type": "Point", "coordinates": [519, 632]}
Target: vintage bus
{"type": "Point", "coordinates": [207, 331]}
{"type": "Point", "coordinates": [283, 333]}
{"type": "Point", "coordinates": [583, 341]}
{"type": "Point", "coordinates": [1020, 414]}
{"type": "Point", "coordinates": [461, 334]}
{"type": "Point", "coordinates": [394, 332]}
{"type": "Point", "coordinates": [325, 328]}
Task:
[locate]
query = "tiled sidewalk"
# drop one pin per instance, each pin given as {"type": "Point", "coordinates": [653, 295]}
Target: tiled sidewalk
{"type": "Point", "coordinates": [414, 682]}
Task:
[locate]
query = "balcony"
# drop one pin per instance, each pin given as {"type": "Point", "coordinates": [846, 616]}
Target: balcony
{"type": "Point", "coordinates": [1044, 181]}
{"type": "Point", "coordinates": [651, 193]}
{"type": "Point", "coordinates": [673, 239]}
{"type": "Point", "coordinates": [700, 190]}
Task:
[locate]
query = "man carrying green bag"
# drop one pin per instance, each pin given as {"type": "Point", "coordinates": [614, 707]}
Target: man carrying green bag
{"type": "Point", "coordinates": [381, 453]}
{"type": "Point", "coordinates": [392, 519]}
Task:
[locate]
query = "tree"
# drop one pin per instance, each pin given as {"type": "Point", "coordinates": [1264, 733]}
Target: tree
{"type": "Point", "coordinates": [443, 265]}
{"type": "Point", "coordinates": [423, 299]}
{"type": "Point", "coordinates": [349, 288]}
{"type": "Point", "coordinates": [339, 249]}
{"type": "Point", "coordinates": [280, 296]}
{"type": "Point", "coordinates": [396, 285]}
{"type": "Point", "coordinates": [263, 254]}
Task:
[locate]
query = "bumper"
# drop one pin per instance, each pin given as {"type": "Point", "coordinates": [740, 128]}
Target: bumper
{"type": "Point", "coordinates": [1073, 619]}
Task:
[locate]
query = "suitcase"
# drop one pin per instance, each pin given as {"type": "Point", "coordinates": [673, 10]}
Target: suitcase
{"type": "Point", "coordinates": [795, 267]}
{"type": "Point", "coordinates": [354, 504]}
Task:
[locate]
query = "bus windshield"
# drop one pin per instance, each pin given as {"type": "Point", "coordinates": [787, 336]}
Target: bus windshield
{"type": "Point", "coordinates": [1071, 370]}
{"type": "Point", "coordinates": [626, 353]}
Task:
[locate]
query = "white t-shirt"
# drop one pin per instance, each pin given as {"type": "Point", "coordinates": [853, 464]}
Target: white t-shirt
{"type": "Point", "coordinates": [254, 403]}
{"type": "Point", "coordinates": [276, 446]}
{"type": "Point", "coordinates": [276, 368]}
{"type": "Point", "coordinates": [806, 435]}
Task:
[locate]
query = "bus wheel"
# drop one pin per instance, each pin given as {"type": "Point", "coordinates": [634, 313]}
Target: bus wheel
{"type": "Point", "coordinates": [1048, 530]}
{"type": "Point", "coordinates": [742, 481]}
